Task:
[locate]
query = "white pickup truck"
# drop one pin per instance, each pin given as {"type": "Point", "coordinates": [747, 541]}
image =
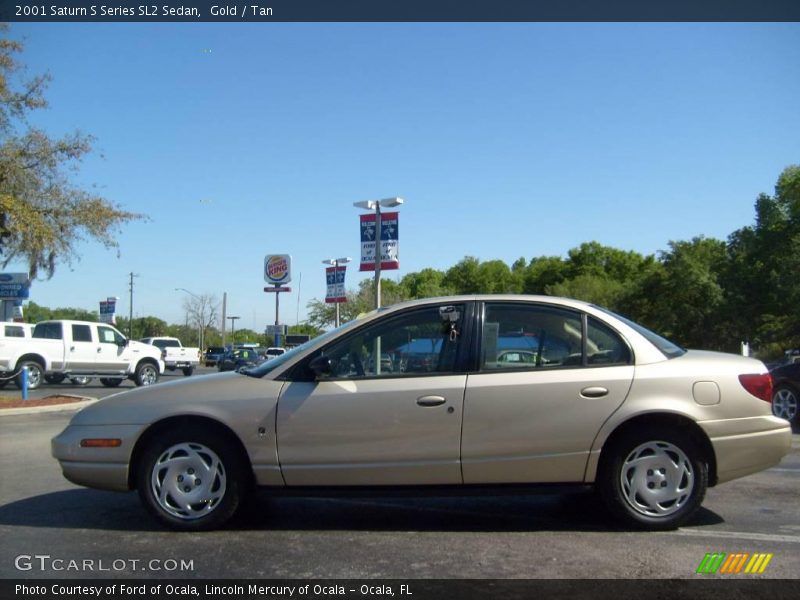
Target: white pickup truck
{"type": "Point", "coordinates": [81, 348]}
{"type": "Point", "coordinates": [174, 354]}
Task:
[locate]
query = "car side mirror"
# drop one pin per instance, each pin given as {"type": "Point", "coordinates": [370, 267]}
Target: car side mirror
{"type": "Point", "coordinates": [321, 365]}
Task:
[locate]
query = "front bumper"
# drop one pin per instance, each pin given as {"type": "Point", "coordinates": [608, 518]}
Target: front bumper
{"type": "Point", "coordinates": [101, 468]}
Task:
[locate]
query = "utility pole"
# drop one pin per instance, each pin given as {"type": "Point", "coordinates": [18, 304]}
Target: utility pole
{"type": "Point", "coordinates": [130, 314]}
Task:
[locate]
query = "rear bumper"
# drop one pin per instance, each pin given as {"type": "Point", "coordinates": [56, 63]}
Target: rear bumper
{"type": "Point", "coordinates": [741, 453]}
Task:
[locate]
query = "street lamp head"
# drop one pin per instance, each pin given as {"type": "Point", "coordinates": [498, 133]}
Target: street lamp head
{"type": "Point", "coordinates": [366, 204]}
{"type": "Point", "coordinates": [391, 202]}
{"type": "Point", "coordinates": [373, 204]}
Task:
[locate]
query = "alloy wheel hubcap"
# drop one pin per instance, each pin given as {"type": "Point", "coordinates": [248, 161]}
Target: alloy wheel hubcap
{"type": "Point", "coordinates": [148, 376]}
{"type": "Point", "coordinates": [188, 481]}
{"type": "Point", "coordinates": [657, 479]}
{"type": "Point", "coordinates": [784, 404]}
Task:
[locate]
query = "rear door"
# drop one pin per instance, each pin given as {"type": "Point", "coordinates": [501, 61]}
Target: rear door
{"type": "Point", "coordinates": [547, 380]}
{"type": "Point", "coordinates": [83, 350]}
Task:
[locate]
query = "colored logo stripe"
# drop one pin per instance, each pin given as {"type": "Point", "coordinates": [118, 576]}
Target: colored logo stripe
{"type": "Point", "coordinates": [731, 564]}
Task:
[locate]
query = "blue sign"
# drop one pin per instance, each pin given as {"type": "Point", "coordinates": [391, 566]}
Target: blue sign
{"type": "Point", "coordinates": [14, 286]}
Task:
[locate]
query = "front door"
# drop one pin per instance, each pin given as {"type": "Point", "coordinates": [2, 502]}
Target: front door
{"type": "Point", "coordinates": [388, 412]}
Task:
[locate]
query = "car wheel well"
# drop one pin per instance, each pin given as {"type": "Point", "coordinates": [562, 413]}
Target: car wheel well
{"type": "Point", "coordinates": [186, 422]}
{"type": "Point", "coordinates": [668, 422]}
{"type": "Point", "coordinates": [31, 358]}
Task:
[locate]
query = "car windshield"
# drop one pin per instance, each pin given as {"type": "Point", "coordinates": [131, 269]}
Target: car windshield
{"type": "Point", "coordinates": [667, 348]}
{"type": "Point", "coordinates": [274, 363]}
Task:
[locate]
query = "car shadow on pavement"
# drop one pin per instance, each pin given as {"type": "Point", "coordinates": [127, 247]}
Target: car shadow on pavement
{"type": "Point", "coordinates": [93, 509]}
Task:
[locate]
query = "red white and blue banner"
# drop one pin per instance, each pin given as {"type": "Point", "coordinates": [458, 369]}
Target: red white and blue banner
{"type": "Point", "coordinates": [336, 293]}
{"type": "Point", "coordinates": [108, 308]}
{"type": "Point", "coordinates": [389, 241]}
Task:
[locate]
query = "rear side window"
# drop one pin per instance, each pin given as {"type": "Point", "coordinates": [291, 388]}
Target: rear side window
{"type": "Point", "coordinates": [81, 333]}
{"type": "Point", "coordinates": [48, 331]}
{"type": "Point", "coordinates": [528, 336]}
{"type": "Point", "coordinates": [604, 346]}
{"type": "Point", "coordinates": [14, 331]}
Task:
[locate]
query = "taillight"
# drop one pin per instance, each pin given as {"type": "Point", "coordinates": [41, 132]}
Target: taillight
{"type": "Point", "coordinates": [759, 385]}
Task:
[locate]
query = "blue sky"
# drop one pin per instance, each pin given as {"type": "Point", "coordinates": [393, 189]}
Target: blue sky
{"type": "Point", "coordinates": [505, 140]}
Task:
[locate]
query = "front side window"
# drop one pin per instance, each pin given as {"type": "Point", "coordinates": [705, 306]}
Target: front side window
{"type": "Point", "coordinates": [420, 342]}
{"type": "Point", "coordinates": [110, 336]}
{"type": "Point", "coordinates": [519, 336]}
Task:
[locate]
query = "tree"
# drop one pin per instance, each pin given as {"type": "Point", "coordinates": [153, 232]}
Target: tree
{"type": "Point", "coordinates": [202, 312]}
{"type": "Point", "coordinates": [42, 215]}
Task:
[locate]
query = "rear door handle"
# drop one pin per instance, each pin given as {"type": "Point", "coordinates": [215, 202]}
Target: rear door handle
{"type": "Point", "coordinates": [594, 392]}
{"type": "Point", "coordinates": [431, 400]}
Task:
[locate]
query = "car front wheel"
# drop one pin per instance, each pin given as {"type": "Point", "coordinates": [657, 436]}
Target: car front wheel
{"type": "Point", "coordinates": [191, 480]}
{"type": "Point", "coordinates": [784, 403]}
{"type": "Point", "coordinates": [146, 374]}
{"type": "Point", "coordinates": [653, 480]}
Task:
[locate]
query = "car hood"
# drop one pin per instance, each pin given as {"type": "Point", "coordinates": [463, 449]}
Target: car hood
{"type": "Point", "coordinates": [221, 396]}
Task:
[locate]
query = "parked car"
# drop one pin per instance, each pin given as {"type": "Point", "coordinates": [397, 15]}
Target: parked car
{"type": "Point", "coordinates": [648, 424]}
{"type": "Point", "coordinates": [212, 355]}
{"type": "Point", "coordinates": [272, 352]}
{"type": "Point", "coordinates": [175, 355]}
{"type": "Point", "coordinates": [238, 358]}
{"type": "Point", "coordinates": [786, 391]}
{"type": "Point", "coordinates": [81, 348]}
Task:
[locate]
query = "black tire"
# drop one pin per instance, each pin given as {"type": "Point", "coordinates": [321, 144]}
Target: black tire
{"type": "Point", "coordinates": [188, 371]}
{"type": "Point", "coordinates": [786, 403]}
{"type": "Point", "coordinates": [653, 479]}
{"type": "Point", "coordinates": [80, 380]}
{"type": "Point", "coordinates": [35, 374]}
{"type": "Point", "coordinates": [146, 373]}
{"type": "Point", "coordinates": [108, 382]}
{"type": "Point", "coordinates": [170, 489]}
{"type": "Point", "coordinates": [3, 382]}
{"type": "Point", "coordinates": [55, 378]}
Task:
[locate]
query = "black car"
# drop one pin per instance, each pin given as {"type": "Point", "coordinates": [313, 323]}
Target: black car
{"type": "Point", "coordinates": [212, 355]}
{"type": "Point", "coordinates": [786, 391]}
{"type": "Point", "coordinates": [238, 358]}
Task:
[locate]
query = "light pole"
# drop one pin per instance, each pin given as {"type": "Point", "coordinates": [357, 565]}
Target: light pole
{"type": "Point", "coordinates": [233, 330]}
{"type": "Point", "coordinates": [201, 315]}
{"type": "Point", "coordinates": [376, 206]}
{"type": "Point", "coordinates": [335, 262]}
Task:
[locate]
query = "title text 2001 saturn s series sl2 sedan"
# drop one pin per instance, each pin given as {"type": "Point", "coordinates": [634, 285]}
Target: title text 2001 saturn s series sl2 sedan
{"type": "Point", "coordinates": [466, 393]}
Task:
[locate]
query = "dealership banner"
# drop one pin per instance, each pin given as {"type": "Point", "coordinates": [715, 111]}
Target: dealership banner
{"type": "Point", "coordinates": [335, 280]}
{"type": "Point", "coordinates": [108, 308]}
{"type": "Point", "coordinates": [389, 241]}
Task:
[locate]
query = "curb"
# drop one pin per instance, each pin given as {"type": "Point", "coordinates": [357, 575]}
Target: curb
{"type": "Point", "coordinates": [70, 406]}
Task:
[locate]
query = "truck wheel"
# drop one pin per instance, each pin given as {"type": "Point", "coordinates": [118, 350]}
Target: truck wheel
{"type": "Point", "coordinates": [146, 374]}
{"type": "Point", "coordinates": [188, 371]}
{"type": "Point", "coordinates": [110, 382]}
{"type": "Point", "coordinates": [80, 380]}
{"type": "Point", "coordinates": [191, 479]}
{"type": "Point", "coordinates": [54, 378]}
{"type": "Point", "coordinates": [35, 374]}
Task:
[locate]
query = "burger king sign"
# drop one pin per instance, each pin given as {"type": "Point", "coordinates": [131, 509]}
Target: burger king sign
{"type": "Point", "coordinates": [277, 269]}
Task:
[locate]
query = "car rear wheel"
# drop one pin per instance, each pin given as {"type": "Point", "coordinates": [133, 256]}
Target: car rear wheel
{"type": "Point", "coordinates": [653, 479]}
{"type": "Point", "coordinates": [187, 371]}
{"type": "Point", "coordinates": [784, 403]}
{"type": "Point", "coordinates": [55, 378]}
{"type": "Point", "coordinates": [191, 480]}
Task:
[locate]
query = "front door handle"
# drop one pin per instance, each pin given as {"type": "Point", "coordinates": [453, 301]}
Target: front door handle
{"type": "Point", "coordinates": [431, 400]}
{"type": "Point", "coordinates": [594, 392]}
